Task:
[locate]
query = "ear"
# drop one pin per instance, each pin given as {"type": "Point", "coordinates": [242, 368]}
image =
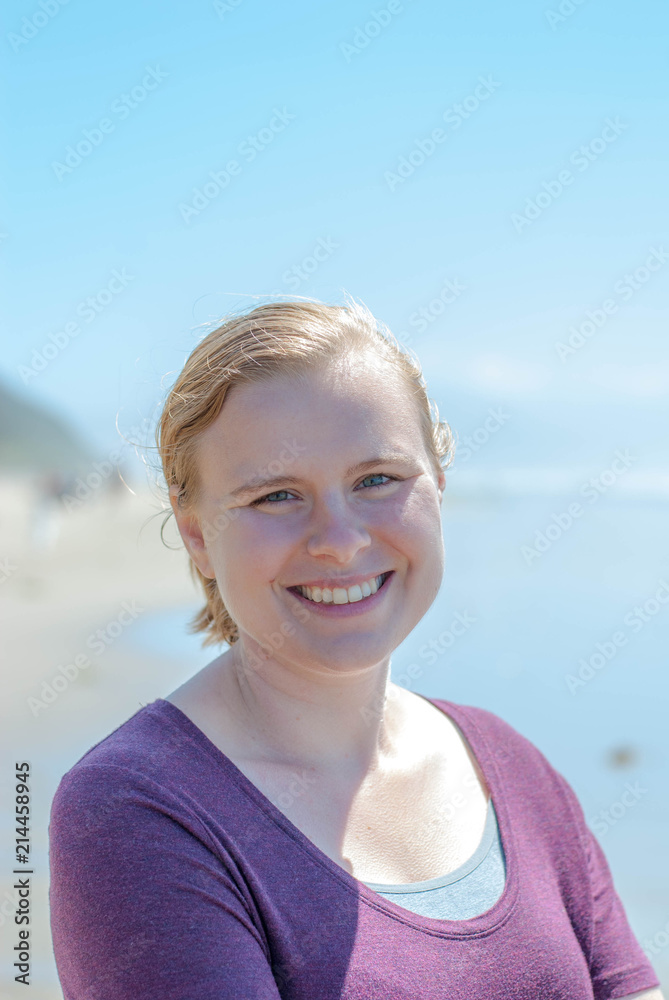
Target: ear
{"type": "Point", "coordinates": [441, 483]}
{"type": "Point", "coordinates": [191, 533]}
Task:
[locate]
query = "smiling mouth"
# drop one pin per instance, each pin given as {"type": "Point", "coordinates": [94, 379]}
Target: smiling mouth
{"type": "Point", "coordinates": [342, 595]}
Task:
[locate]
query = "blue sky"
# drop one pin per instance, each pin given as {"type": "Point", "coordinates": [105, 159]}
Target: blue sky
{"type": "Point", "coordinates": [336, 95]}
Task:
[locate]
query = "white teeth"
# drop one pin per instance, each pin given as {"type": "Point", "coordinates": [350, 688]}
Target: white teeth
{"type": "Point", "coordinates": [342, 595]}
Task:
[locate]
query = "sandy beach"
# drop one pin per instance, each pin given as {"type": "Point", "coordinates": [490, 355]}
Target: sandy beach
{"type": "Point", "coordinates": [76, 579]}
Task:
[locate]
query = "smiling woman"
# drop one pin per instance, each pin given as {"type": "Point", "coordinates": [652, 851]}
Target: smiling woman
{"type": "Point", "coordinates": [301, 826]}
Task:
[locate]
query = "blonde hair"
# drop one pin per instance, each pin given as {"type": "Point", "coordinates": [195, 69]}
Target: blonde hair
{"type": "Point", "coordinates": [279, 338]}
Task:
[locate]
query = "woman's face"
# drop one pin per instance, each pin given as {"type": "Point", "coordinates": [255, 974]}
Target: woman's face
{"type": "Point", "coordinates": [323, 482]}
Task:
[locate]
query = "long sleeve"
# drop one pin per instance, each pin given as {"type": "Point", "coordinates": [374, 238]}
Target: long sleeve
{"type": "Point", "coordinates": [140, 906]}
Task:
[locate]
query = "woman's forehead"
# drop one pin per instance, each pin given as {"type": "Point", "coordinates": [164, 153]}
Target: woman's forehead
{"type": "Point", "coordinates": [324, 414]}
{"type": "Point", "coordinates": [363, 382]}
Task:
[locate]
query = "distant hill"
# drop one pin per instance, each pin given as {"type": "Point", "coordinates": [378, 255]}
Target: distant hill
{"type": "Point", "coordinates": [34, 439]}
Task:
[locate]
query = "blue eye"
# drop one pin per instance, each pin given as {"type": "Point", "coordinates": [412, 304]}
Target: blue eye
{"type": "Point", "coordinates": [376, 475]}
{"type": "Point", "coordinates": [286, 493]}
{"type": "Point", "coordinates": [256, 503]}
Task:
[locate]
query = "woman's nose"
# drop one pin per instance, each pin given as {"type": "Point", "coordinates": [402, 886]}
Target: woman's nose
{"type": "Point", "coordinates": [337, 531]}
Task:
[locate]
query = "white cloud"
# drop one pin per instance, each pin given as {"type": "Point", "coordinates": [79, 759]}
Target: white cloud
{"type": "Point", "coordinates": [498, 373]}
{"type": "Point", "coordinates": [639, 381]}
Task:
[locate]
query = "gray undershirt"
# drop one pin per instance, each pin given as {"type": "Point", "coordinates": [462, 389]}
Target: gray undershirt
{"type": "Point", "coordinates": [466, 892]}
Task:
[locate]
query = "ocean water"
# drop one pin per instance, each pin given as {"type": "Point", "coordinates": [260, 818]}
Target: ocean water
{"type": "Point", "coordinates": [568, 645]}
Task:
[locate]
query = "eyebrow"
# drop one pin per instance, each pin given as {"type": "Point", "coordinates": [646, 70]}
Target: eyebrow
{"type": "Point", "coordinates": [265, 483]}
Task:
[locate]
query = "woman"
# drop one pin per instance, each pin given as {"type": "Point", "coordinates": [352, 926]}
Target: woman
{"type": "Point", "coordinates": [290, 823]}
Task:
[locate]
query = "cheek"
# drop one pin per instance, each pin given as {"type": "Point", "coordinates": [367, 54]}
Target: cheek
{"type": "Point", "coordinates": [243, 565]}
{"type": "Point", "coordinates": [252, 548]}
{"type": "Point", "coordinates": [416, 517]}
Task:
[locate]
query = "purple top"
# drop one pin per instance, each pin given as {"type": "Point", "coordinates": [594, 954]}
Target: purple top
{"type": "Point", "coordinates": [174, 878]}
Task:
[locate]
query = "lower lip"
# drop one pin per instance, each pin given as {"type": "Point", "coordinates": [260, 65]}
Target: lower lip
{"type": "Point", "coordinates": [346, 610]}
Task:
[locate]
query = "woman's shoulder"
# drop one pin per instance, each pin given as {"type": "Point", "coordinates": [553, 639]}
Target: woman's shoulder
{"type": "Point", "coordinates": [142, 742]}
{"type": "Point", "coordinates": [493, 733]}
{"type": "Point", "coordinates": [155, 754]}
{"type": "Point", "coordinates": [522, 768]}
{"type": "Point", "coordinates": [154, 780]}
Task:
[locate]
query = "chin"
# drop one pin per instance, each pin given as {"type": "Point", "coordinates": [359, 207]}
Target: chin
{"type": "Point", "coordinates": [347, 653]}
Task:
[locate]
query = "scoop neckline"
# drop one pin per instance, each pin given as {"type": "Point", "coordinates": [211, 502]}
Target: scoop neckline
{"type": "Point", "coordinates": [469, 865]}
{"type": "Point", "coordinates": [478, 926]}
